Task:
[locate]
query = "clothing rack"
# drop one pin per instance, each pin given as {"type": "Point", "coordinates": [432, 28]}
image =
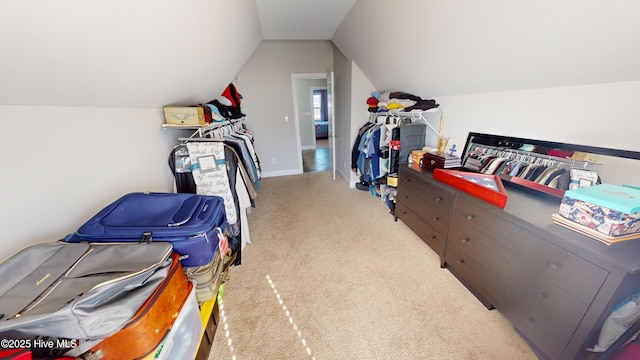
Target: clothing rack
{"type": "Point", "coordinates": [210, 132]}
{"type": "Point", "coordinates": [219, 159]}
{"type": "Point", "coordinates": [412, 116]}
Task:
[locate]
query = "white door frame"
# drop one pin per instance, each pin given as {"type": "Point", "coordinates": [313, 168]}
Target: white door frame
{"type": "Point", "coordinates": [332, 123]}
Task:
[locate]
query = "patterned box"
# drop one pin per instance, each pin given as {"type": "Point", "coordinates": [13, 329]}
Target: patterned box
{"type": "Point", "coordinates": [604, 219]}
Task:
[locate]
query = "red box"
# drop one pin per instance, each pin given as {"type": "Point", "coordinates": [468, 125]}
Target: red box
{"type": "Point", "coordinates": [483, 186]}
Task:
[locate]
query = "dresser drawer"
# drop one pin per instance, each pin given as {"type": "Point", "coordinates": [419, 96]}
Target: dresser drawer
{"type": "Point", "coordinates": [575, 275]}
{"type": "Point", "coordinates": [483, 283]}
{"type": "Point", "coordinates": [409, 179]}
{"type": "Point", "coordinates": [433, 210]}
{"type": "Point", "coordinates": [528, 286]}
{"type": "Point", "coordinates": [431, 202]}
{"type": "Point", "coordinates": [426, 232]}
{"type": "Point", "coordinates": [534, 324]}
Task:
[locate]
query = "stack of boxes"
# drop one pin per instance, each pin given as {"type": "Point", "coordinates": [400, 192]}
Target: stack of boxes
{"type": "Point", "coordinates": [609, 213]}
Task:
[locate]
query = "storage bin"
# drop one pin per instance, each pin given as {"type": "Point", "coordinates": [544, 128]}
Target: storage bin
{"type": "Point", "coordinates": [184, 115]}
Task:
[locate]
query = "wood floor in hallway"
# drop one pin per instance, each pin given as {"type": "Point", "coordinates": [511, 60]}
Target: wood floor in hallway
{"type": "Point", "coordinates": [316, 159]}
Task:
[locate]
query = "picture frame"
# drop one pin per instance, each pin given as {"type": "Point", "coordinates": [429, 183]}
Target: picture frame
{"type": "Point", "coordinates": [455, 147]}
{"type": "Point", "coordinates": [483, 186]}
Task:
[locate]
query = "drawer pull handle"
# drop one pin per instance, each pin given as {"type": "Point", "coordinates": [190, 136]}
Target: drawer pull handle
{"type": "Point", "coordinates": [529, 320]}
{"type": "Point", "coordinates": [406, 180]}
{"type": "Point", "coordinates": [433, 237]}
{"type": "Point", "coordinates": [552, 265]}
{"type": "Point", "coordinates": [464, 240]}
{"type": "Point", "coordinates": [469, 217]}
{"type": "Point", "coordinates": [435, 219]}
{"type": "Point", "coordinates": [541, 296]}
{"type": "Point", "coordinates": [438, 199]}
{"type": "Point", "coordinates": [460, 261]}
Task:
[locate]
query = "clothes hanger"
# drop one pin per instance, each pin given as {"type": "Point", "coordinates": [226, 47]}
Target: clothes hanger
{"type": "Point", "coordinates": [186, 140]}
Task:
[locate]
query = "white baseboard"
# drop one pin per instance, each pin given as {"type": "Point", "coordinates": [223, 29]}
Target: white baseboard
{"type": "Point", "coordinates": [339, 176]}
{"type": "Point", "coordinates": [267, 174]}
{"type": "Point", "coordinates": [347, 180]}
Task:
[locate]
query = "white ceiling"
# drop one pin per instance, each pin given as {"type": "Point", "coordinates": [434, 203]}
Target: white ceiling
{"type": "Point", "coordinates": [301, 19]}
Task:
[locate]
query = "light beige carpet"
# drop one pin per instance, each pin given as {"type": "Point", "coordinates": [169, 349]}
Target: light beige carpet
{"type": "Point", "coordinates": [330, 275]}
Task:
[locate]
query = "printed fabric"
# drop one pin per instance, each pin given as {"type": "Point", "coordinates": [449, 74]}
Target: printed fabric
{"type": "Point", "coordinates": [212, 180]}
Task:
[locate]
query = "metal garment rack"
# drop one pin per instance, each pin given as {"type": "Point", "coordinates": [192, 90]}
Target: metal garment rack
{"type": "Point", "coordinates": [201, 132]}
{"type": "Point", "coordinates": [413, 116]}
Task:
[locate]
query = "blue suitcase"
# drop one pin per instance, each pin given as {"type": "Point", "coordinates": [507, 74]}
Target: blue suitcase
{"type": "Point", "coordinates": [190, 222]}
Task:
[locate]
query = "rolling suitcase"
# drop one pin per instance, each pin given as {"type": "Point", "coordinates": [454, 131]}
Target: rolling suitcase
{"type": "Point", "coordinates": [188, 221]}
{"type": "Point", "coordinates": [208, 278]}
{"type": "Point", "coordinates": [82, 292]}
{"type": "Point", "coordinates": [146, 330]}
{"type": "Point", "coordinates": [182, 341]}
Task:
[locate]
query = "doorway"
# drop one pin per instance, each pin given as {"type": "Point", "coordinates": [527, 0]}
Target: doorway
{"type": "Point", "coordinates": [313, 116]}
{"type": "Point", "coordinates": [317, 158]}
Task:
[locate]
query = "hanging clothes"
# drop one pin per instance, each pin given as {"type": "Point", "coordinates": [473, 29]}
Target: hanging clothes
{"type": "Point", "coordinates": [221, 161]}
{"type": "Point", "coordinates": [240, 189]}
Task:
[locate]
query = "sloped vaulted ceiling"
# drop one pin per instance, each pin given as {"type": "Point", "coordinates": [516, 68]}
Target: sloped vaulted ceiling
{"type": "Point", "coordinates": [119, 53]}
{"type": "Point", "coordinates": [148, 53]}
{"type": "Point", "coordinates": [438, 48]}
{"type": "Point", "coordinates": [301, 19]}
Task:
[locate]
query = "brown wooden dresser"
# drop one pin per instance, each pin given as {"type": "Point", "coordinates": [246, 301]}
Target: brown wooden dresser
{"type": "Point", "coordinates": [554, 285]}
{"type": "Point", "coordinates": [425, 206]}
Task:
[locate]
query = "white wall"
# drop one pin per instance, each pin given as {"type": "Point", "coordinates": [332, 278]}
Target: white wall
{"type": "Point", "coordinates": [599, 115]}
{"type": "Point", "coordinates": [442, 48]}
{"type": "Point", "coordinates": [118, 53]}
{"type": "Point", "coordinates": [351, 111]}
{"type": "Point", "coordinates": [266, 85]}
{"type": "Point", "coordinates": [344, 135]}
{"type": "Point", "coordinates": [81, 96]}
{"type": "Point", "coordinates": [603, 115]}
{"type": "Point", "coordinates": [63, 164]}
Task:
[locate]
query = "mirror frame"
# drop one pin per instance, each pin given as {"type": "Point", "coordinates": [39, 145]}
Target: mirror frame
{"type": "Point", "coordinates": [509, 142]}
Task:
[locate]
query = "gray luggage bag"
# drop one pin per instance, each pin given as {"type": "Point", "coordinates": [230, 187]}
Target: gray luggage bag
{"type": "Point", "coordinates": [77, 291]}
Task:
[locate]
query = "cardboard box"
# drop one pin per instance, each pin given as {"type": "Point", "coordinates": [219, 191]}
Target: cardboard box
{"type": "Point", "coordinates": [416, 156]}
{"type": "Point", "coordinates": [609, 209]}
{"type": "Point", "coordinates": [184, 115]}
{"type": "Point", "coordinates": [392, 180]}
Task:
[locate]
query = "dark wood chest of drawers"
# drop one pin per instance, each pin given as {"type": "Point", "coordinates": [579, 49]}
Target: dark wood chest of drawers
{"type": "Point", "coordinates": [555, 286]}
{"type": "Point", "coordinates": [426, 207]}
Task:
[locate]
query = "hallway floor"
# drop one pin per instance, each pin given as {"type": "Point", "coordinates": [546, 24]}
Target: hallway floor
{"type": "Point", "coordinates": [317, 159]}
